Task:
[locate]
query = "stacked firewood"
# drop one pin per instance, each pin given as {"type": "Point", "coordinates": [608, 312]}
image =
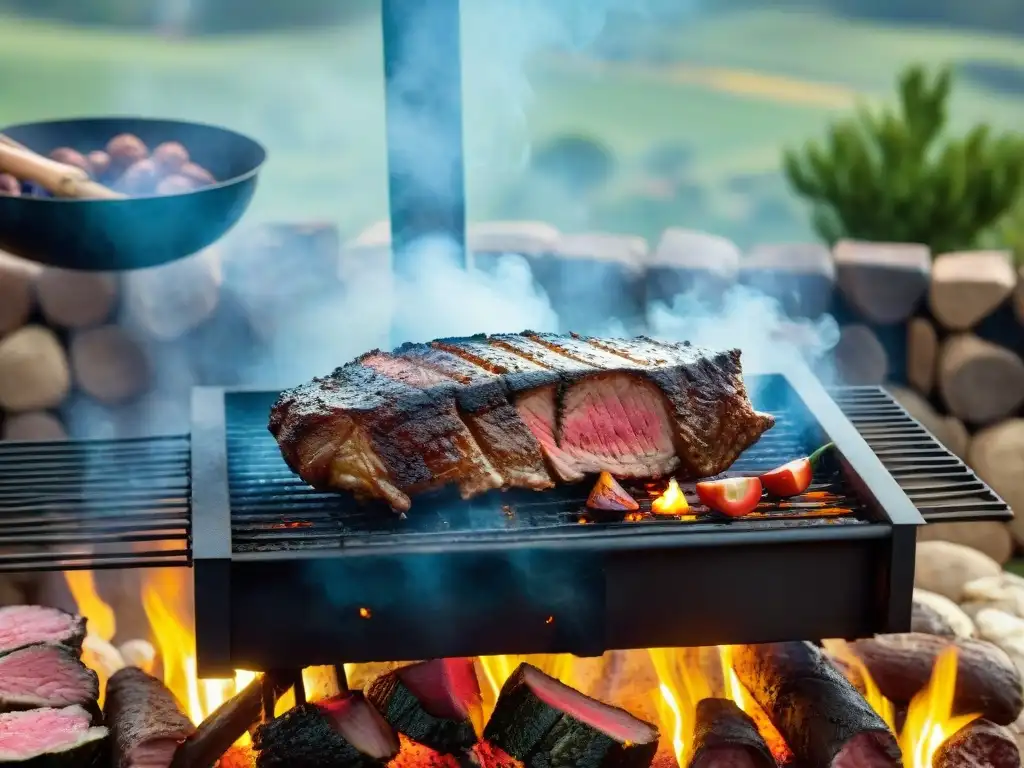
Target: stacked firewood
{"type": "Point", "coordinates": [59, 340]}
{"type": "Point", "coordinates": [113, 355]}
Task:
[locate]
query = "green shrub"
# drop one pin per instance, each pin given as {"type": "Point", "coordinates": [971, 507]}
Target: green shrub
{"type": "Point", "coordinates": [892, 175]}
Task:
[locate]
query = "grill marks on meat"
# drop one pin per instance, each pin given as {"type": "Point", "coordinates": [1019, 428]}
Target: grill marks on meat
{"type": "Point", "coordinates": [516, 410]}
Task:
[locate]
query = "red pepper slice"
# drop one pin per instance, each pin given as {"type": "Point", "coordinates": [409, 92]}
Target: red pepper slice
{"type": "Point", "coordinates": [733, 496]}
{"type": "Point", "coordinates": [793, 478]}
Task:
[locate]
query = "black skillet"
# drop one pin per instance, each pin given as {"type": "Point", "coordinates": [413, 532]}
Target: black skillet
{"type": "Point", "coordinates": [101, 235]}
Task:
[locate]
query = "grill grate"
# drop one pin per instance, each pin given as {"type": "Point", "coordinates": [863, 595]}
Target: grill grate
{"type": "Point", "coordinates": [125, 503]}
{"type": "Point", "coordinates": [272, 509]}
{"type": "Point", "coordinates": [94, 504]}
{"type": "Point", "coordinates": [939, 484]}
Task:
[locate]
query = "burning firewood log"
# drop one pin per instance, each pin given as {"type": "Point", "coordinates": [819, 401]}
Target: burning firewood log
{"type": "Point", "coordinates": [537, 715]}
{"type": "Point", "coordinates": [725, 735]}
{"type": "Point", "coordinates": [436, 703]}
{"type": "Point", "coordinates": [146, 722]}
{"type": "Point", "coordinates": [987, 682]}
{"type": "Point", "coordinates": [215, 735]}
{"type": "Point", "coordinates": [823, 718]}
{"type": "Point", "coordinates": [342, 732]}
{"type": "Point", "coordinates": [982, 744]}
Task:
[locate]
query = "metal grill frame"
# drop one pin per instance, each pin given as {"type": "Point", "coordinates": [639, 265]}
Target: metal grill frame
{"type": "Point", "coordinates": [550, 594]}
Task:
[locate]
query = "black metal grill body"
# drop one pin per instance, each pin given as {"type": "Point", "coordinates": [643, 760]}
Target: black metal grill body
{"type": "Point", "coordinates": [282, 571]}
{"type": "Point", "coordinates": [287, 575]}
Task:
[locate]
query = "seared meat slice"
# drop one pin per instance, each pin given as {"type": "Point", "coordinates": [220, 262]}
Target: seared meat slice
{"type": "Point", "coordinates": [362, 431]}
{"type": "Point", "coordinates": [490, 411]}
{"type": "Point", "coordinates": [495, 425]}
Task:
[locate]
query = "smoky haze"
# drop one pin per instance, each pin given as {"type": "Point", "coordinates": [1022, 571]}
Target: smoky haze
{"type": "Point", "coordinates": [310, 334]}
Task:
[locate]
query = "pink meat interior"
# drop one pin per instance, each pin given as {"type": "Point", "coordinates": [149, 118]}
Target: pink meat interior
{"type": "Point", "coordinates": [361, 725]}
{"type": "Point", "coordinates": [46, 672]}
{"type": "Point", "coordinates": [614, 723]}
{"type": "Point", "coordinates": [446, 688]}
{"type": "Point", "coordinates": [537, 410]}
{"type": "Point", "coordinates": [39, 731]}
{"type": "Point", "coordinates": [618, 423]}
{"type": "Point", "coordinates": [24, 624]}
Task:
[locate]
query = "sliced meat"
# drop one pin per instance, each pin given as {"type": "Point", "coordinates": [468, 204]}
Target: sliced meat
{"type": "Point", "coordinates": [22, 625]}
{"type": "Point", "coordinates": [50, 737]}
{"type": "Point", "coordinates": [500, 433]}
{"type": "Point", "coordinates": [516, 411]}
{"type": "Point", "coordinates": [46, 675]}
{"type": "Point", "coordinates": [146, 722]}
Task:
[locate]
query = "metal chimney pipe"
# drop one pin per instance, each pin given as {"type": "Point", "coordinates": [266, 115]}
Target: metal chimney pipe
{"type": "Point", "coordinates": [423, 91]}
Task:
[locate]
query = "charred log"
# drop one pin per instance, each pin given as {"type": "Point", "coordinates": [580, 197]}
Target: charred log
{"type": "Point", "coordinates": [980, 744]}
{"type": "Point", "coordinates": [823, 718]}
{"type": "Point", "coordinates": [987, 681]}
{"type": "Point", "coordinates": [343, 732]}
{"type": "Point", "coordinates": [435, 703]}
{"type": "Point", "coordinates": [537, 716]}
{"type": "Point", "coordinates": [725, 735]}
{"type": "Point", "coordinates": [223, 727]}
{"type": "Point", "coordinates": [146, 722]}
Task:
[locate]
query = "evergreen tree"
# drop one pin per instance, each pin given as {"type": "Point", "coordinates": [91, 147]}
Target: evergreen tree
{"type": "Point", "coordinates": [892, 175]}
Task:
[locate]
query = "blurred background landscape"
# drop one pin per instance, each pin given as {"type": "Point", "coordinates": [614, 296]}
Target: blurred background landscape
{"type": "Point", "coordinates": [671, 113]}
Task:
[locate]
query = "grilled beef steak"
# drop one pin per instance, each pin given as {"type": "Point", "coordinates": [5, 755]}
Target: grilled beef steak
{"type": "Point", "coordinates": [516, 411]}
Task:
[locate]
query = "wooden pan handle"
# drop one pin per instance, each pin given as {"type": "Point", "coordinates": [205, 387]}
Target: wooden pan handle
{"type": "Point", "coordinates": [60, 179]}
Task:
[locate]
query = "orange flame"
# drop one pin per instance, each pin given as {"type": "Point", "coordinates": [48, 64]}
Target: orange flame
{"type": "Point", "coordinates": [102, 621]}
{"type": "Point", "coordinates": [671, 502]}
{"type": "Point", "coordinates": [498, 669]}
{"type": "Point", "coordinates": [930, 719]}
{"type": "Point", "coordinates": [176, 643]}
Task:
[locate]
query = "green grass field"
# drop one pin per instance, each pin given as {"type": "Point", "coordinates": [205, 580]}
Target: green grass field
{"type": "Point", "coordinates": [315, 99]}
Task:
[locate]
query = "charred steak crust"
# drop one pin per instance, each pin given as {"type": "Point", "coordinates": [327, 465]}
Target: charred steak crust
{"type": "Point", "coordinates": [516, 411]}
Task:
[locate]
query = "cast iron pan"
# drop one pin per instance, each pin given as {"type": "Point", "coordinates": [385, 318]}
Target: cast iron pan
{"type": "Point", "coordinates": [140, 231]}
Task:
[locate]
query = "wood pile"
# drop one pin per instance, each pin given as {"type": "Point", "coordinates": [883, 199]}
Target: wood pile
{"type": "Point", "coordinates": [91, 354]}
{"type": "Point", "coordinates": [59, 340]}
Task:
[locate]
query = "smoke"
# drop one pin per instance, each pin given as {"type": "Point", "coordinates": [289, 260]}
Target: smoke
{"type": "Point", "coordinates": [305, 330]}
{"type": "Point", "coordinates": [748, 320]}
